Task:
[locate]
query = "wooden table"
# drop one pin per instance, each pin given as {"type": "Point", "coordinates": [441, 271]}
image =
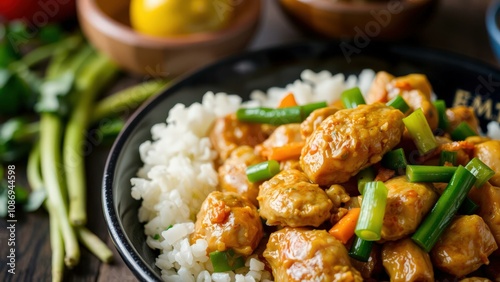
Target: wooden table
{"type": "Point", "coordinates": [457, 25]}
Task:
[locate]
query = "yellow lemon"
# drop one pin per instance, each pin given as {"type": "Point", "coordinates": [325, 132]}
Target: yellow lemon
{"type": "Point", "coordinates": [179, 17]}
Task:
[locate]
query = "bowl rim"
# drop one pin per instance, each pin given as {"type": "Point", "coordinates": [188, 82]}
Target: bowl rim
{"type": "Point", "coordinates": [115, 228]}
{"type": "Point", "coordinates": [338, 7]}
{"type": "Point", "coordinates": [112, 28]}
{"type": "Point", "coordinates": [492, 25]}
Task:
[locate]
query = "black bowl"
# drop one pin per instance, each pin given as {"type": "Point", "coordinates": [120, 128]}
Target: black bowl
{"type": "Point", "coordinates": [454, 78]}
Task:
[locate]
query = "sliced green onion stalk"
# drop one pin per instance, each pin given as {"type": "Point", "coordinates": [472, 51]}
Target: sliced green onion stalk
{"type": "Point", "coordinates": [445, 209]}
{"type": "Point", "coordinates": [399, 103]}
{"type": "Point", "coordinates": [226, 260]}
{"type": "Point", "coordinates": [420, 131]}
{"type": "Point", "coordinates": [395, 160]}
{"type": "Point", "coordinates": [480, 170]}
{"type": "Point", "coordinates": [262, 171]}
{"type": "Point", "coordinates": [462, 131]}
{"type": "Point", "coordinates": [351, 98]}
{"type": "Point", "coordinates": [278, 116]}
{"type": "Point", "coordinates": [429, 173]}
{"type": "Point", "coordinates": [443, 122]}
{"type": "Point", "coordinates": [371, 217]}
{"type": "Point", "coordinates": [448, 157]}
{"type": "Point", "coordinates": [360, 249]}
{"type": "Point", "coordinates": [364, 176]}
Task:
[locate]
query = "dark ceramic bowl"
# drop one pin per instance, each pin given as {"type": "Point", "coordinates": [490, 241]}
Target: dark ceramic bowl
{"type": "Point", "coordinates": [455, 79]}
{"type": "Point", "coordinates": [493, 27]}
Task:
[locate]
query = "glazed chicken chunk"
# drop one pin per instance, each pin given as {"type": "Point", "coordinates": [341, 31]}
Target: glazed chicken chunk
{"type": "Point", "coordinates": [378, 89]}
{"type": "Point", "coordinates": [405, 261]}
{"type": "Point", "coordinates": [228, 133]}
{"type": "Point", "coordinates": [314, 120]}
{"type": "Point", "coordinates": [299, 254]}
{"type": "Point", "coordinates": [451, 255]}
{"type": "Point", "coordinates": [227, 220]}
{"type": "Point", "coordinates": [488, 200]}
{"type": "Point", "coordinates": [290, 199]}
{"type": "Point", "coordinates": [407, 205]}
{"type": "Point", "coordinates": [489, 153]}
{"type": "Point", "coordinates": [350, 140]}
{"type": "Point", "coordinates": [232, 173]}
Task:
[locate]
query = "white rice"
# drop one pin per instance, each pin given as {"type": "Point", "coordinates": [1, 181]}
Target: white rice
{"type": "Point", "coordinates": [178, 173]}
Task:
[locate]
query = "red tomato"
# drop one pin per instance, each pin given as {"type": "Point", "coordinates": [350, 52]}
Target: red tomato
{"type": "Point", "coordinates": [37, 12]}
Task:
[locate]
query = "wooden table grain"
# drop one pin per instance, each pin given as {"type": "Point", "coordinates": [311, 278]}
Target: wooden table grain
{"type": "Point", "coordinates": [456, 25]}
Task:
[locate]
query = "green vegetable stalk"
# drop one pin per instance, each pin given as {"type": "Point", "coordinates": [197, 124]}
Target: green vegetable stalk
{"type": "Point", "coordinates": [262, 171]}
{"type": "Point", "coordinates": [371, 217]}
{"type": "Point", "coordinates": [90, 240]}
{"type": "Point", "coordinates": [94, 244]}
{"type": "Point", "coordinates": [93, 77]}
{"type": "Point", "coordinates": [420, 131]}
{"type": "Point", "coordinates": [445, 209]}
{"type": "Point", "coordinates": [351, 98]}
{"type": "Point", "coordinates": [52, 176]}
{"type": "Point", "coordinates": [360, 249]}
{"type": "Point", "coordinates": [126, 99]}
{"type": "Point", "coordinates": [278, 116]}
{"type": "Point", "coordinates": [429, 173]}
{"type": "Point", "coordinates": [364, 176]}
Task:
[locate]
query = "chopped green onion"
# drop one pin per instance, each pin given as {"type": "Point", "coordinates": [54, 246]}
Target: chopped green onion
{"type": "Point", "coordinates": [443, 122]}
{"type": "Point", "coordinates": [395, 160]}
{"type": "Point", "coordinates": [278, 116]}
{"type": "Point", "coordinates": [468, 207]}
{"type": "Point", "coordinates": [480, 170]}
{"type": "Point", "coordinates": [262, 171]}
{"type": "Point", "coordinates": [448, 157]}
{"type": "Point", "coordinates": [351, 98]}
{"type": "Point", "coordinates": [462, 131]}
{"type": "Point", "coordinates": [399, 103]}
{"type": "Point", "coordinates": [226, 260]}
{"type": "Point", "coordinates": [360, 249]}
{"type": "Point", "coordinates": [420, 131]}
{"type": "Point", "coordinates": [445, 209]}
{"type": "Point", "coordinates": [371, 217]}
{"type": "Point", "coordinates": [364, 176]}
{"type": "Point", "coordinates": [156, 236]}
{"type": "Point", "coordinates": [429, 173]}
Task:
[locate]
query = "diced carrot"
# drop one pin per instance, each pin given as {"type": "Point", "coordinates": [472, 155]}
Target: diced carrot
{"type": "Point", "coordinates": [289, 151]}
{"type": "Point", "coordinates": [288, 101]}
{"type": "Point", "coordinates": [343, 230]}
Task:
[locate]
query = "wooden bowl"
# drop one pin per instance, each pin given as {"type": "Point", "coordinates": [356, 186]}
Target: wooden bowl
{"type": "Point", "coordinates": [107, 26]}
{"type": "Point", "coordinates": [360, 20]}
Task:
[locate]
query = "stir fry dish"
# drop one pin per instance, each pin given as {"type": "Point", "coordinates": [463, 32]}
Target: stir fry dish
{"type": "Point", "coordinates": [390, 185]}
